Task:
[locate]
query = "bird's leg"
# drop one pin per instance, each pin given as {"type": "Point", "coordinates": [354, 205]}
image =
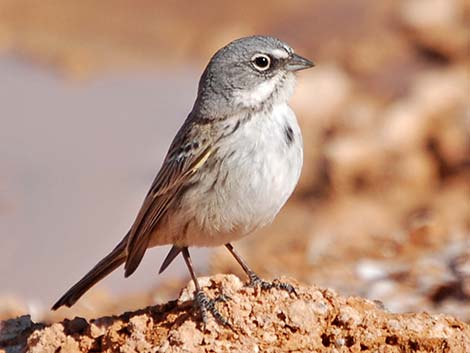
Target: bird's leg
{"type": "Point", "coordinates": [255, 280]}
{"type": "Point", "coordinates": [203, 302]}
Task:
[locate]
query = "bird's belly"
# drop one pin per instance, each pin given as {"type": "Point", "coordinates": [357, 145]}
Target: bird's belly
{"type": "Point", "coordinates": [245, 184]}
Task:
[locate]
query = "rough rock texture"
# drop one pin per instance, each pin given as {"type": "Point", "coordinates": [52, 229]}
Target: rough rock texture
{"type": "Point", "coordinates": [382, 209]}
{"type": "Point", "coordinates": [274, 321]}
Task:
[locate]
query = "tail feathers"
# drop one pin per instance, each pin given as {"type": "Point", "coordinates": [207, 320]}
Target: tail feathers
{"type": "Point", "coordinates": [103, 268]}
{"type": "Point", "coordinates": [175, 250]}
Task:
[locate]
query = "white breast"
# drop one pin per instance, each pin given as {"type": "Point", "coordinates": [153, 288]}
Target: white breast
{"type": "Point", "coordinates": [259, 169]}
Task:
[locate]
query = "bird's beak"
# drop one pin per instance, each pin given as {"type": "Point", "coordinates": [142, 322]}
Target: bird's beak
{"type": "Point", "coordinates": [297, 63]}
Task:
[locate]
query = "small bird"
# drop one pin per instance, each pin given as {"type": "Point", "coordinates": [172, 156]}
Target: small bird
{"type": "Point", "coordinates": [230, 168]}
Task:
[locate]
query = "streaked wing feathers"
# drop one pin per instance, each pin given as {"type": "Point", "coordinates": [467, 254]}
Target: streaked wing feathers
{"type": "Point", "coordinates": [174, 172]}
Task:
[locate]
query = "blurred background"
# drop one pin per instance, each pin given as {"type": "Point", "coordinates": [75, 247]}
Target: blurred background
{"type": "Point", "coordinates": [91, 94]}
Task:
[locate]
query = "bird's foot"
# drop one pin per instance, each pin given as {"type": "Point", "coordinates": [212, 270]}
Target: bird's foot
{"type": "Point", "coordinates": [255, 281]}
{"type": "Point", "coordinates": [206, 305]}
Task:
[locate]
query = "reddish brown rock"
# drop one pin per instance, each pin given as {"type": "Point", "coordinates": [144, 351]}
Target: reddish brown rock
{"type": "Point", "coordinates": [314, 319]}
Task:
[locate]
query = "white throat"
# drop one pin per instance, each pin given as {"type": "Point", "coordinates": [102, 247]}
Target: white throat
{"type": "Point", "coordinates": [279, 88]}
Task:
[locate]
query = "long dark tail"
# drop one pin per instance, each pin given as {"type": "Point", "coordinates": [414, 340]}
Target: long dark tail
{"type": "Point", "coordinates": [103, 268]}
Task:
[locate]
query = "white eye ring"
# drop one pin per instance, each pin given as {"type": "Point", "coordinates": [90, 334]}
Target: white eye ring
{"type": "Point", "coordinates": [261, 62]}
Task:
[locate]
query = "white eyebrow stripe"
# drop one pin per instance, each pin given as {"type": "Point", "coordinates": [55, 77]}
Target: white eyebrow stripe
{"type": "Point", "coordinates": [279, 53]}
{"type": "Point", "coordinates": [289, 49]}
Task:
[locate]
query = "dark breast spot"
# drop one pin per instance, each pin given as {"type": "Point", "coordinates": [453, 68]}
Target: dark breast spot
{"type": "Point", "coordinates": [289, 135]}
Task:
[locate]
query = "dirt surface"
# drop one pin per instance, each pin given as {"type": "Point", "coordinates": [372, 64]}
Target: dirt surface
{"type": "Point", "coordinates": [313, 319]}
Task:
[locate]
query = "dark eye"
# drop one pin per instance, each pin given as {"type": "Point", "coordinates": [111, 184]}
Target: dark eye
{"type": "Point", "coordinates": [261, 62]}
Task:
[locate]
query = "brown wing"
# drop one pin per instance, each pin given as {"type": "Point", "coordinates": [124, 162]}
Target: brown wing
{"type": "Point", "coordinates": [177, 168]}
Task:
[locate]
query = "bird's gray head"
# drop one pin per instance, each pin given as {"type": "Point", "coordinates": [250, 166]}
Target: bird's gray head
{"type": "Point", "coordinates": [249, 73]}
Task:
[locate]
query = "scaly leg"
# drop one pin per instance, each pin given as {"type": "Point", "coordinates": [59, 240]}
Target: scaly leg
{"type": "Point", "coordinates": [203, 302]}
{"type": "Point", "coordinates": [255, 280]}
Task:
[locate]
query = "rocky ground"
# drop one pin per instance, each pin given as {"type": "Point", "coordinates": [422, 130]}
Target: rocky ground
{"type": "Point", "coordinates": [311, 320]}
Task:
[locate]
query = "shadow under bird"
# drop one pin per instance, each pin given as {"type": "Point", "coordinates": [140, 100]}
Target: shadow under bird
{"type": "Point", "coordinates": [230, 168]}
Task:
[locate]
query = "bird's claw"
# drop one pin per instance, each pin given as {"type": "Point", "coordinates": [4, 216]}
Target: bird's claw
{"type": "Point", "coordinates": [206, 305]}
{"type": "Point", "coordinates": [255, 281]}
